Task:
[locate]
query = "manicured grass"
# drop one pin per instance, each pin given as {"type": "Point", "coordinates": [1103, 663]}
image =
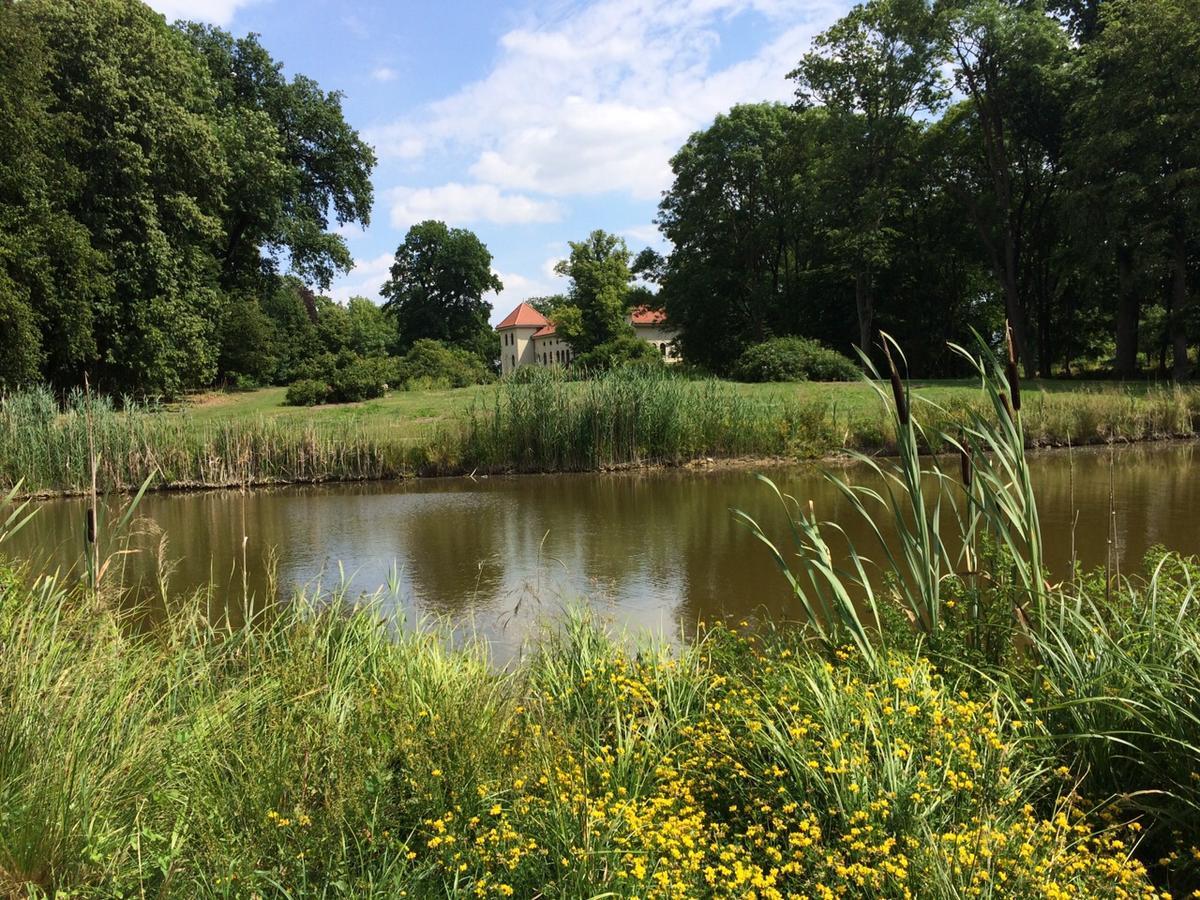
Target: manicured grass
{"type": "Point", "coordinates": [405, 415]}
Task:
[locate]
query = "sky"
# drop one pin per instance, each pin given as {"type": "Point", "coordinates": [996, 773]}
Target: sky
{"type": "Point", "coordinates": [529, 123]}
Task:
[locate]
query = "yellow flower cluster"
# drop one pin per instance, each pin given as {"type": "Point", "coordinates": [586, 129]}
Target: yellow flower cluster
{"type": "Point", "coordinates": [752, 773]}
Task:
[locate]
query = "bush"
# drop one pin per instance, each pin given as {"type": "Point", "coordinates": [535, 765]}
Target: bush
{"type": "Point", "coordinates": [362, 378]}
{"type": "Point", "coordinates": [625, 350]}
{"type": "Point", "coordinates": [432, 364]}
{"type": "Point", "coordinates": [307, 392]}
{"type": "Point", "coordinates": [793, 359]}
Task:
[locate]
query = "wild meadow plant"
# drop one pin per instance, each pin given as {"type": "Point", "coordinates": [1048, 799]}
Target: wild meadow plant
{"type": "Point", "coordinates": [1107, 669]}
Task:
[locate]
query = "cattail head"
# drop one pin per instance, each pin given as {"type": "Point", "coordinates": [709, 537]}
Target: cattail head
{"type": "Point", "coordinates": [897, 385]}
{"type": "Point", "coordinates": [91, 525]}
{"type": "Point", "coordinates": [964, 460]}
{"type": "Point", "coordinates": [1014, 377]}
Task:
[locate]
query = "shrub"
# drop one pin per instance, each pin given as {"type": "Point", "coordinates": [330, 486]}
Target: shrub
{"type": "Point", "coordinates": [625, 350]}
{"type": "Point", "coordinates": [362, 378]}
{"type": "Point", "coordinates": [431, 363]}
{"type": "Point", "coordinates": [307, 392]}
{"type": "Point", "coordinates": [793, 359]}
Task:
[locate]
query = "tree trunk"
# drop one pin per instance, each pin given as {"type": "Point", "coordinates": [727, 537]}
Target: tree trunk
{"type": "Point", "coordinates": [866, 310]}
{"type": "Point", "coordinates": [1179, 305]}
{"type": "Point", "coordinates": [1129, 314]}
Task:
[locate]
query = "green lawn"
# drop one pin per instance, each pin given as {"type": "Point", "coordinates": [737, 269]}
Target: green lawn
{"type": "Point", "coordinates": [409, 413]}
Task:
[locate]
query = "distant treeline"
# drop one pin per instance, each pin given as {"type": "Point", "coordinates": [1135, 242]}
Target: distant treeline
{"type": "Point", "coordinates": [948, 165]}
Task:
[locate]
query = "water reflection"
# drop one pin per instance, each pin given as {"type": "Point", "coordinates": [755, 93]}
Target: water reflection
{"type": "Point", "coordinates": [653, 549]}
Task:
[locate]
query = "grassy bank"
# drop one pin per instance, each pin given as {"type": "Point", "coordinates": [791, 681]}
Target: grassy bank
{"type": "Point", "coordinates": [545, 424]}
{"type": "Point", "coordinates": [316, 755]}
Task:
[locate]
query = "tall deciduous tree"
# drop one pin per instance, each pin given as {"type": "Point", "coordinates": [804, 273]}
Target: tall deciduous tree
{"type": "Point", "coordinates": [874, 71]}
{"type": "Point", "coordinates": [741, 216]}
{"type": "Point", "coordinates": [600, 292]}
{"type": "Point", "coordinates": [437, 286]}
{"type": "Point", "coordinates": [294, 162]}
{"type": "Point", "coordinates": [1010, 62]}
{"type": "Point", "coordinates": [1137, 115]}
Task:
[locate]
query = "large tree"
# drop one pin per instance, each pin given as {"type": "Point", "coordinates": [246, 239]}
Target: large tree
{"type": "Point", "coordinates": [1002, 152]}
{"type": "Point", "coordinates": [741, 216]}
{"type": "Point", "coordinates": [600, 294]}
{"type": "Point", "coordinates": [874, 71]}
{"type": "Point", "coordinates": [294, 163]}
{"type": "Point", "coordinates": [1137, 117]}
{"type": "Point", "coordinates": [438, 282]}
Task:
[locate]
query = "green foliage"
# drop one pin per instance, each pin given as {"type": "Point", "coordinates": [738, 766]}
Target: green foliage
{"type": "Point", "coordinates": [600, 292]}
{"type": "Point", "coordinates": [292, 160]}
{"type": "Point", "coordinates": [148, 180]}
{"type": "Point", "coordinates": [360, 378]}
{"type": "Point", "coordinates": [318, 748]}
{"type": "Point", "coordinates": [433, 364]}
{"type": "Point", "coordinates": [623, 350]}
{"type": "Point", "coordinates": [307, 392]}
{"type": "Point", "coordinates": [437, 285]}
{"type": "Point", "coordinates": [793, 359]}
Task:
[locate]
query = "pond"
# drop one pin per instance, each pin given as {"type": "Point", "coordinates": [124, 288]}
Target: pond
{"type": "Point", "coordinates": [652, 550]}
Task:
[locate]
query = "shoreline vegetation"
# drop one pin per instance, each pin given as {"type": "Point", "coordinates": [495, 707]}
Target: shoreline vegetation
{"type": "Point", "coordinates": [963, 729]}
{"type": "Point", "coordinates": [545, 423]}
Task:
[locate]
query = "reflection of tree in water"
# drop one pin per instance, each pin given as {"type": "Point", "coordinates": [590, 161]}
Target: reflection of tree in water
{"type": "Point", "coordinates": [651, 549]}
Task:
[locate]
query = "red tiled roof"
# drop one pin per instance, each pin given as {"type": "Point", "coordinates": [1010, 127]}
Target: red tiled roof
{"type": "Point", "coordinates": [546, 330]}
{"type": "Point", "coordinates": [643, 315]}
{"type": "Point", "coordinates": [524, 316]}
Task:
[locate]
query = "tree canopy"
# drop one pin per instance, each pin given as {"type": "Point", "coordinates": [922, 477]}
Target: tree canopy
{"type": "Point", "coordinates": [949, 165]}
{"type": "Point", "coordinates": [437, 285]}
{"type": "Point", "coordinates": [153, 177]}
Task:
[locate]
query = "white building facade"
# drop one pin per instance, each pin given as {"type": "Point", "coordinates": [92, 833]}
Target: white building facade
{"type": "Point", "coordinates": [527, 338]}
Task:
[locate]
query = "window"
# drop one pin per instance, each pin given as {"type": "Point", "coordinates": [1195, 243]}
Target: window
{"type": "Point", "coordinates": [514, 362]}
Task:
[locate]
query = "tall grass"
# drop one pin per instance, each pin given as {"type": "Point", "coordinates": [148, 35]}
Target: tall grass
{"type": "Point", "coordinates": [314, 753]}
{"type": "Point", "coordinates": [542, 423]}
{"type": "Point", "coordinates": [1111, 668]}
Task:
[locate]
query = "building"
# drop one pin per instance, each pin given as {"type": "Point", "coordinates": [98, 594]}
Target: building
{"type": "Point", "coordinates": [527, 338]}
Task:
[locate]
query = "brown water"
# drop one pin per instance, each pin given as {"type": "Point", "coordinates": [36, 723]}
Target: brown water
{"type": "Point", "coordinates": [654, 550]}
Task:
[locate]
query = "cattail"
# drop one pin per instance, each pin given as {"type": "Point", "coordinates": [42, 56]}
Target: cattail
{"type": "Point", "coordinates": [1007, 406]}
{"type": "Point", "coordinates": [1014, 378]}
{"type": "Point", "coordinates": [897, 386]}
{"type": "Point", "coordinates": [964, 461]}
{"type": "Point", "coordinates": [91, 525]}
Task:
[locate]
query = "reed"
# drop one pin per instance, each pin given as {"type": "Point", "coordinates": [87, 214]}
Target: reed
{"type": "Point", "coordinates": [545, 423]}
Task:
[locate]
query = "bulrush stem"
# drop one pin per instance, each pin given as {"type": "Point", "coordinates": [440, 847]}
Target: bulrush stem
{"type": "Point", "coordinates": [897, 385]}
{"type": "Point", "coordinates": [1014, 377]}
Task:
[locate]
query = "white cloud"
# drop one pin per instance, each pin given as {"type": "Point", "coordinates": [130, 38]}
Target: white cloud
{"type": "Point", "coordinates": [218, 12]}
{"type": "Point", "coordinates": [384, 73]}
{"type": "Point", "coordinates": [460, 204]}
{"type": "Point", "coordinates": [643, 234]}
{"type": "Point", "coordinates": [365, 279]}
{"type": "Point", "coordinates": [599, 99]}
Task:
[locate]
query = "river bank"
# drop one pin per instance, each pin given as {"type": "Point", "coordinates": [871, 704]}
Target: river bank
{"type": "Point", "coordinates": [546, 425]}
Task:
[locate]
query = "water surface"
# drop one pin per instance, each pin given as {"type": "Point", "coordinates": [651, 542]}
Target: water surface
{"type": "Point", "coordinates": [654, 550]}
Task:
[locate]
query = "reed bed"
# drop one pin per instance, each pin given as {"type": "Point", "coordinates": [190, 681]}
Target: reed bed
{"type": "Point", "coordinates": [546, 423]}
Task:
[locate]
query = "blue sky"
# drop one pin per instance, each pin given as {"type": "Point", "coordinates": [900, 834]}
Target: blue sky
{"type": "Point", "coordinates": [529, 123]}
